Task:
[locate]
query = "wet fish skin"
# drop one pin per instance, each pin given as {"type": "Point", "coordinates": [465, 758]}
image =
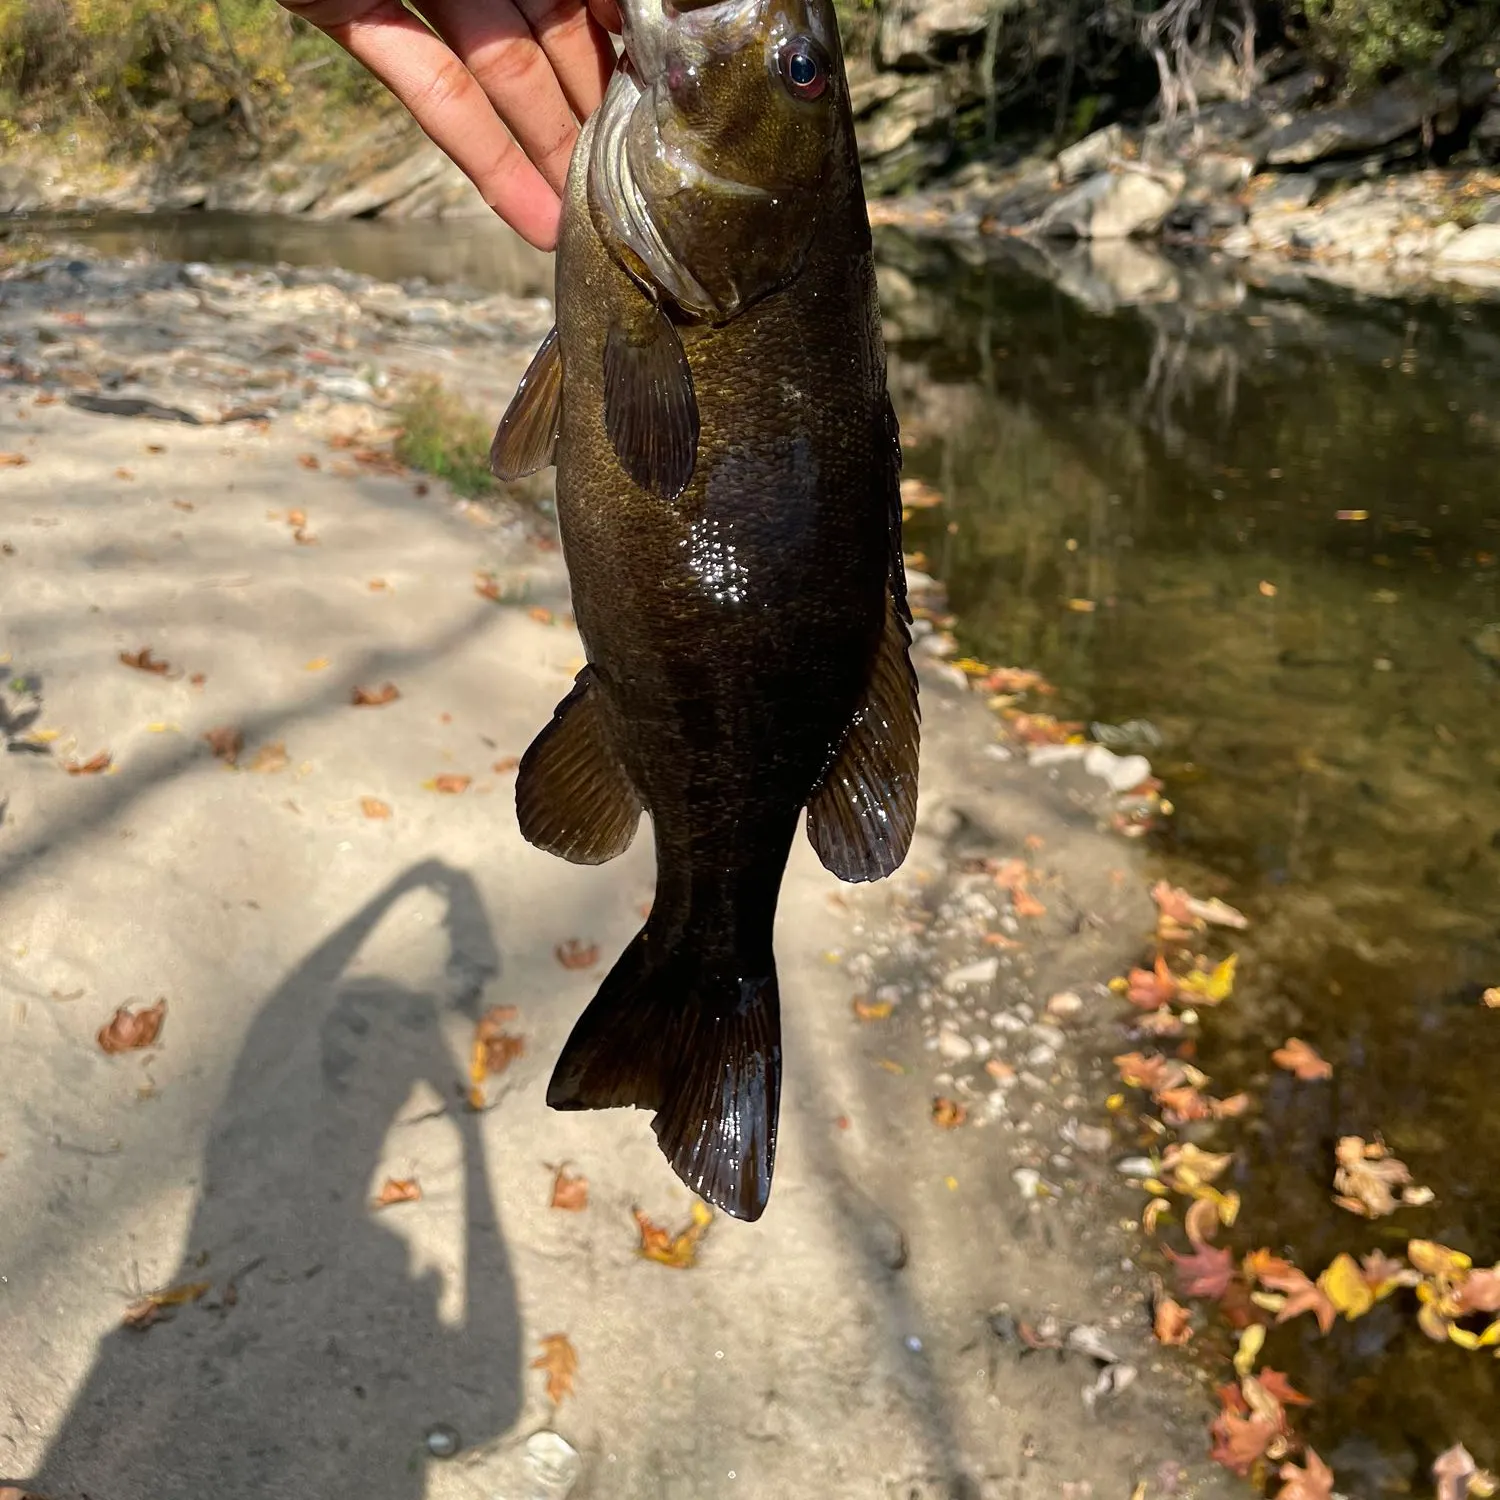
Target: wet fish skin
{"type": "Point", "coordinates": [729, 504]}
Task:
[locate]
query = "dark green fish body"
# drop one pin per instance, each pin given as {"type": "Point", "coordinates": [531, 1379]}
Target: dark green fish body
{"type": "Point", "coordinates": [729, 502]}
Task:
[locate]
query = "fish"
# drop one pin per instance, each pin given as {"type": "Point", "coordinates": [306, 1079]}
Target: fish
{"type": "Point", "coordinates": [714, 398]}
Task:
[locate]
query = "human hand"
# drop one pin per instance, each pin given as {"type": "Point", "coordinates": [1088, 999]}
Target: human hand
{"type": "Point", "coordinates": [499, 85]}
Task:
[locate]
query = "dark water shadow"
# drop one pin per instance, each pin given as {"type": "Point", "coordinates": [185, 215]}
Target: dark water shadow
{"type": "Point", "coordinates": [320, 1375]}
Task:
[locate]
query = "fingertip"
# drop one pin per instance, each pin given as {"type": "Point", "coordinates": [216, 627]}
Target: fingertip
{"type": "Point", "coordinates": [607, 14]}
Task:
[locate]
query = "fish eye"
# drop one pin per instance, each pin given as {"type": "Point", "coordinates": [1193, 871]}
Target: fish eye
{"type": "Point", "coordinates": [803, 65]}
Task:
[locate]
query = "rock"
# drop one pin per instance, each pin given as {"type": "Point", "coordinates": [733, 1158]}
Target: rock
{"type": "Point", "coordinates": [1105, 275]}
{"type": "Point", "coordinates": [20, 191]}
{"type": "Point", "coordinates": [1477, 246]}
{"type": "Point", "coordinates": [954, 1048]}
{"type": "Point", "coordinates": [1092, 154]}
{"type": "Point", "coordinates": [982, 972]}
{"type": "Point", "coordinates": [889, 128]}
{"type": "Point", "coordinates": [915, 34]}
{"type": "Point", "coordinates": [384, 187]}
{"type": "Point", "coordinates": [182, 195]}
{"type": "Point", "coordinates": [1119, 772]}
{"type": "Point", "coordinates": [1363, 125]}
{"type": "Point", "coordinates": [1111, 205]}
{"type": "Point", "coordinates": [1487, 131]}
{"type": "Point", "coordinates": [1217, 172]}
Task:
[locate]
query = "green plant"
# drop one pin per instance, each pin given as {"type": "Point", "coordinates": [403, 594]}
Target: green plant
{"type": "Point", "coordinates": [445, 438]}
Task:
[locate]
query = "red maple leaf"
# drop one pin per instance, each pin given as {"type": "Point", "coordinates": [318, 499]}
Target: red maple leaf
{"type": "Point", "coordinates": [1207, 1272]}
{"type": "Point", "coordinates": [1240, 1442]}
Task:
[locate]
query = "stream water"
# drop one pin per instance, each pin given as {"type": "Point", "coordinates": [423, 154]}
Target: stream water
{"type": "Point", "coordinates": [1285, 511]}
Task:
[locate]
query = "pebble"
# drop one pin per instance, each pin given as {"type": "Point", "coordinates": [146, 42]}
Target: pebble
{"type": "Point", "coordinates": [1051, 1036]}
{"type": "Point", "coordinates": [1041, 1056]}
{"type": "Point", "coordinates": [1135, 1166]}
{"type": "Point", "coordinates": [443, 1441]}
{"type": "Point", "coordinates": [1065, 1003]}
{"type": "Point", "coordinates": [981, 972]}
{"type": "Point", "coordinates": [953, 1046]}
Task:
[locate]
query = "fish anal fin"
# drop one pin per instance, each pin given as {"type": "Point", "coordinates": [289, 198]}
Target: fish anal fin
{"type": "Point", "coordinates": [699, 1045]}
{"type": "Point", "coordinates": [650, 406]}
{"type": "Point", "coordinates": [573, 797]}
{"type": "Point", "coordinates": [526, 439]}
{"type": "Point", "coordinates": [861, 819]}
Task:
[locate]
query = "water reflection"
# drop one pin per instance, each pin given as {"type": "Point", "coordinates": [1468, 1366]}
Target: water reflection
{"type": "Point", "coordinates": [1287, 515]}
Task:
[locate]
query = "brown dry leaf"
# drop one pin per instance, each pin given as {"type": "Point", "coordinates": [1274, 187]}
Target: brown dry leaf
{"type": "Point", "coordinates": [487, 586]}
{"type": "Point", "coordinates": [679, 1251]}
{"type": "Point", "coordinates": [373, 807]}
{"type": "Point", "coordinates": [398, 1190]}
{"type": "Point", "coordinates": [1366, 1175]}
{"type": "Point", "coordinates": [948, 1114]}
{"type": "Point", "coordinates": [1150, 989]}
{"type": "Point", "coordinates": [296, 518]}
{"type": "Point", "coordinates": [126, 1030]}
{"type": "Point", "coordinates": [541, 614]}
{"type": "Point", "coordinates": [309, 461]}
{"type": "Point", "coordinates": [1173, 1322]}
{"type": "Point", "coordinates": [569, 1193]}
{"type": "Point", "coordinates": [91, 767]}
{"type": "Point", "coordinates": [1153, 1073]}
{"type": "Point", "coordinates": [1300, 1293]}
{"type": "Point", "coordinates": [1313, 1481]}
{"type": "Point", "coordinates": [506, 766]}
{"type": "Point", "coordinates": [226, 742]}
{"type": "Point", "coordinates": [270, 758]}
{"type": "Point", "coordinates": [575, 955]}
{"type": "Point", "coordinates": [1300, 1059]}
{"type": "Point", "coordinates": [1202, 1221]}
{"type": "Point", "coordinates": [449, 784]}
{"type": "Point", "coordinates": [1281, 1390]}
{"type": "Point", "coordinates": [872, 1010]}
{"type": "Point", "coordinates": [143, 661]}
{"type": "Point", "coordinates": [495, 1048]}
{"type": "Point", "coordinates": [1480, 1292]}
{"type": "Point", "coordinates": [1024, 904]}
{"type": "Point", "coordinates": [1207, 1272]}
{"type": "Point", "coordinates": [13, 460]}
{"type": "Point", "coordinates": [365, 697]}
{"type": "Point", "coordinates": [1188, 1167]}
{"type": "Point", "coordinates": [1240, 1442]}
{"type": "Point", "coordinates": [143, 1312]}
{"type": "Point", "coordinates": [560, 1361]}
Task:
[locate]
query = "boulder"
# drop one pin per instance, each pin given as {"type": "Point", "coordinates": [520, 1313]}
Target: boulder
{"type": "Point", "coordinates": [1216, 172]}
{"type": "Point", "coordinates": [1479, 246]}
{"type": "Point", "coordinates": [1369, 123]}
{"type": "Point", "coordinates": [20, 188]}
{"type": "Point", "coordinates": [374, 192]}
{"type": "Point", "coordinates": [1092, 154]}
{"type": "Point", "coordinates": [1111, 206]}
{"type": "Point", "coordinates": [917, 34]}
{"type": "Point", "coordinates": [918, 103]}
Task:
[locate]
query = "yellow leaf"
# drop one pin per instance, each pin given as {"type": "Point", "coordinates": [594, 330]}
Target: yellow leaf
{"type": "Point", "coordinates": [1344, 1284]}
{"type": "Point", "coordinates": [1432, 1259]}
{"type": "Point", "coordinates": [1252, 1340]}
{"type": "Point", "coordinates": [1466, 1340]}
{"type": "Point", "coordinates": [163, 728]}
{"type": "Point", "coordinates": [317, 664]}
{"type": "Point", "coordinates": [1215, 986]}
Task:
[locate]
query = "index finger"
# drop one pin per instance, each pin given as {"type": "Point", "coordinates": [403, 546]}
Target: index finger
{"type": "Point", "coordinates": [577, 47]}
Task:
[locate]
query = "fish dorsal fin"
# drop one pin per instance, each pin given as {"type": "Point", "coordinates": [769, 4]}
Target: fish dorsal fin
{"type": "Point", "coordinates": [650, 407]}
{"type": "Point", "coordinates": [862, 817]}
{"type": "Point", "coordinates": [526, 439]}
{"type": "Point", "coordinates": [573, 797]}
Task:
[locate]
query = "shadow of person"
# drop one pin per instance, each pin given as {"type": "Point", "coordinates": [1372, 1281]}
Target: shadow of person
{"type": "Point", "coordinates": [320, 1374]}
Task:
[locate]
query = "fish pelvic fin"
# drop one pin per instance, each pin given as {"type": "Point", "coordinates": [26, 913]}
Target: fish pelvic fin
{"type": "Point", "coordinates": [526, 439]}
{"type": "Point", "coordinates": [861, 819]}
{"type": "Point", "coordinates": [650, 405]}
{"type": "Point", "coordinates": [573, 797]}
{"type": "Point", "coordinates": [700, 1044]}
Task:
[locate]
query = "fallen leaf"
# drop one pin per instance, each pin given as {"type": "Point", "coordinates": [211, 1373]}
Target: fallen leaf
{"type": "Point", "coordinates": [1212, 986]}
{"type": "Point", "coordinates": [1282, 1389]}
{"type": "Point", "coordinates": [13, 460]}
{"type": "Point", "coordinates": [679, 1251]}
{"type": "Point", "coordinates": [296, 518]}
{"type": "Point", "coordinates": [143, 661]}
{"type": "Point", "coordinates": [270, 758]}
{"type": "Point", "coordinates": [569, 1193]}
{"type": "Point", "coordinates": [1206, 1272]}
{"type": "Point", "coordinates": [1435, 1260]}
{"type": "Point", "coordinates": [495, 1048]}
{"type": "Point", "coordinates": [1150, 989]}
{"type": "Point", "coordinates": [1300, 1293]}
{"type": "Point", "coordinates": [1480, 1292]}
{"type": "Point", "coordinates": [1152, 1073]}
{"type": "Point", "coordinates": [373, 807]}
{"type": "Point", "coordinates": [92, 767]}
{"type": "Point", "coordinates": [560, 1362]}
{"type": "Point", "coordinates": [540, 614]}
{"type": "Point", "coordinates": [226, 743]}
{"type": "Point", "coordinates": [1458, 1477]}
{"type": "Point", "coordinates": [1251, 1341]}
{"type": "Point", "coordinates": [304, 538]}
{"type": "Point", "coordinates": [948, 1114]}
{"type": "Point", "coordinates": [506, 766]}
{"type": "Point", "coordinates": [1366, 1175]}
{"type": "Point", "coordinates": [126, 1030]}
{"type": "Point", "coordinates": [309, 461]}
{"type": "Point", "coordinates": [1384, 1273]}
{"type": "Point", "coordinates": [317, 664]}
{"type": "Point", "coordinates": [1173, 1322]}
{"type": "Point", "coordinates": [1241, 1442]}
{"type": "Point", "coordinates": [487, 586]}
{"type": "Point", "coordinates": [1300, 1059]}
{"type": "Point", "coordinates": [1344, 1284]}
{"type": "Point", "coordinates": [1188, 1166]}
{"type": "Point", "coordinates": [575, 955]}
{"type": "Point", "coordinates": [398, 1190]}
{"type": "Point", "coordinates": [448, 784]}
{"type": "Point", "coordinates": [1153, 1213]}
{"type": "Point", "coordinates": [124, 474]}
{"type": "Point", "coordinates": [872, 1010]}
{"type": "Point", "coordinates": [1202, 1221]}
{"type": "Point", "coordinates": [1024, 904]}
{"type": "Point", "coordinates": [364, 697]}
{"type": "Point", "coordinates": [1492, 998]}
{"type": "Point", "coordinates": [145, 1311]}
{"type": "Point", "coordinates": [1314, 1481]}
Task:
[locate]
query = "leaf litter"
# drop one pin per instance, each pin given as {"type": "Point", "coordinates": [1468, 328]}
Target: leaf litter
{"type": "Point", "coordinates": [679, 1251]}
{"type": "Point", "coordinates": [559, 1359]}
{"type": "Point", "coordinates": [129, 1031]}
{"type": "Point", "coordinates": [493, 1050]}
{"type": "Point", "coordinates": [397, 1190]}
{"type": "Point", "coordinates": [154, 1306]}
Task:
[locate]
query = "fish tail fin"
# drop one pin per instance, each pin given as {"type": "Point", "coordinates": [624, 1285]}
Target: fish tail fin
{"type": "Point", "coordinates": [697, 1041]}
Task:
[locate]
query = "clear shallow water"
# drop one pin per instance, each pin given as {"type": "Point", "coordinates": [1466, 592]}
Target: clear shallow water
{"type": "Point", "coordinates": [1327, 694]}
{"type": "Point", "coordinates": [1326, 691]}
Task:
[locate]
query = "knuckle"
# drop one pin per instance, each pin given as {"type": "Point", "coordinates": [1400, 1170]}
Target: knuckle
{"type": "Point", "coordinates": [508, 64]}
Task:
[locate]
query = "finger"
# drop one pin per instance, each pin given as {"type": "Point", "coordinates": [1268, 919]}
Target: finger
{"type": "Point", "coordinates": [607, 14]}
{"type": "Point", "coordinates": [498, 48]}
{"type": "Point", "coordinates": [576, 46]}
{"type": "Point", "coordinates": [444, 99]}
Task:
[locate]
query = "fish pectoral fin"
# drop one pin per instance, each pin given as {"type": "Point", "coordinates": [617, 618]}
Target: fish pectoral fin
{"type": "Point", "coordinates": [650, 407]}
{"type": "Point", "coordinates": [861, 819]}
{"type": "Point", "coordinates": [700, 1045]}
{"type": "Point", "coordinates": [573, 797]}
{"type": "Point", "coordinates": [526, 439]}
